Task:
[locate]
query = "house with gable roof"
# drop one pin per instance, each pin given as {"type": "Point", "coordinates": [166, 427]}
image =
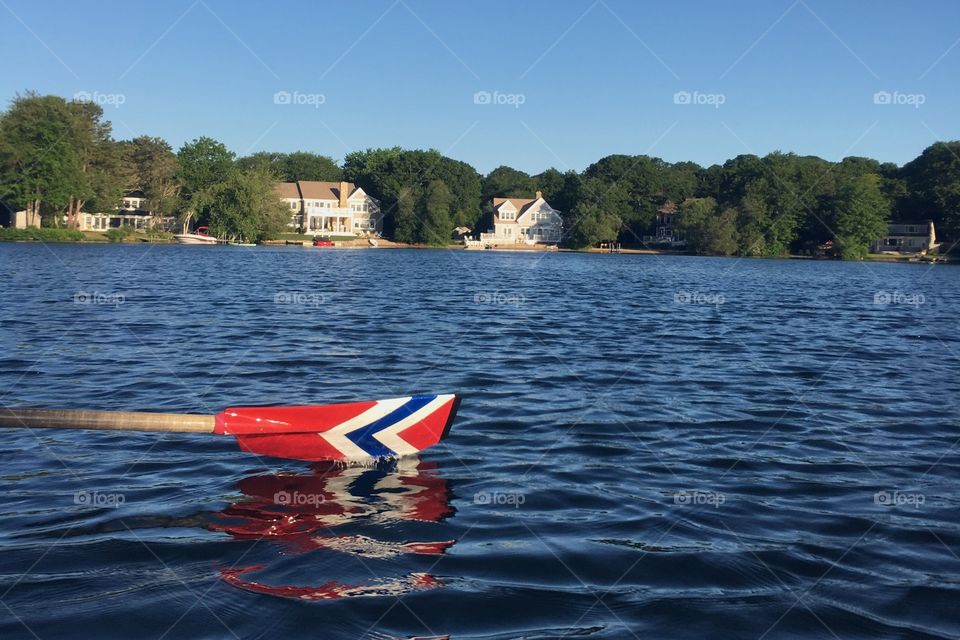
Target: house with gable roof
{"type": "Point", "coordinates": [325, 208]}
{"type": "Point", "coordinates": [524, 221]}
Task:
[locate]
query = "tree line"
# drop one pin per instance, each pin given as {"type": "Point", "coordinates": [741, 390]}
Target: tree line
{"type": "Point", "coordinates": [59, 157]}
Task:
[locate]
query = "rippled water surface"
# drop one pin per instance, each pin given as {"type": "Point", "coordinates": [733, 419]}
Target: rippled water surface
{"type": "Point", "coordinates": [650, 447]}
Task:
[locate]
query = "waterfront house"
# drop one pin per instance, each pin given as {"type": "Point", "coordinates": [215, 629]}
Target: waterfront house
{"type": "Point", "coordinates": [907, 237]}
{"type": "Point", "coordinates": [330, 208]}
{"type": "Point", "coordinates": [17, 219]}
{"type": "Point", "coordinates": [129, 213]}
{"type": "Point", "coordinates": [668, 217]}
{"type": "Point", "coordinates": [528, 221]}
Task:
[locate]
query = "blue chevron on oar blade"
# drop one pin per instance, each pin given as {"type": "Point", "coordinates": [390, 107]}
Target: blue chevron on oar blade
{"type": "Point", "coordinates": [364, 438]}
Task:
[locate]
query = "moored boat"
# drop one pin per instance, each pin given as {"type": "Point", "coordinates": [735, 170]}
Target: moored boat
{"type": "Point", "coordinates": [201, 236]}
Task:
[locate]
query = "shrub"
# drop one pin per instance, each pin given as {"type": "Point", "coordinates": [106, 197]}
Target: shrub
{"type": "Point", "coordinates": [45, 234]}
{"type": "Point", "coordinates": [119, 234]}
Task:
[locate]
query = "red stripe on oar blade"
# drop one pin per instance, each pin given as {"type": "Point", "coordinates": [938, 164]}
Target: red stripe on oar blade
{"type": "Point", "coordinates": [306, 419]}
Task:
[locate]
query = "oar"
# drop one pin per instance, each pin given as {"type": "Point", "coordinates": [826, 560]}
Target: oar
{"type": "Point", "coordinates": [351, 431]}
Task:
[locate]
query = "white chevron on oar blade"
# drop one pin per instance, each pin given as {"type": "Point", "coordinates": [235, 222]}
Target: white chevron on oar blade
{"type": "Point", "coordinates": [390, 437]}
{"type": "Point", "coordinates": [338, 435]}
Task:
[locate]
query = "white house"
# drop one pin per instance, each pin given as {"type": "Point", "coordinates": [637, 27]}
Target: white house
{"type": "Point", "coordinates": [524, 221]}
{"type": "Point", "coordinates": [129, 213]}
{"type": "Point", "coordinates": [324, 208]}
{"type": "Point", "coordinates": [907, 237]}
{"type": "Point", "coordinates": [17, 219]}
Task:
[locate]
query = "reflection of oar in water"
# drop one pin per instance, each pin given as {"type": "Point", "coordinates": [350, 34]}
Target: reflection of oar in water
{"type": "Point", "coordinates": [299, 510]}
{"type": "Point", "coordinates": [351, 431]}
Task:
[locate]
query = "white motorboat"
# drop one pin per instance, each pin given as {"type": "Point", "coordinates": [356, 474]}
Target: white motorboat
{"type": "Point", "coordinates": [200, 237]}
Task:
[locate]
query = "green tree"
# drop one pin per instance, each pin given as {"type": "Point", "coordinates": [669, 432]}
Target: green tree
{"type": "Point", "coordinates": [593, 224]}
{"type": "Point", "coordinates": [435, 226]}
{"type": "Point", "coordinates": [152, 168]}
{"type": "Point", "coordinates": [862, 212]}
{"type": "Point", "coordinates": [706, 231]}
{"type": "Point", "coordinates": [245, 206]}
{"type": "Point", "coordinates": [559, 189]}
{"type": "Point", "coordinates": [291, 167]}
{"type": "Point", "coordinates": [204, 164]}
{"type": "Point", "coordinates": [56, 157]}
{"type": "Point", "coordinates": [303, 165]}
{"type": "Point", "coordinates": [399, 179]}
{"type": "Point", "coordinates": [507, 182]}
{"type": "Point", "coordinates": [404, 218]}
{"type": "Point", "coordinates": [720, 235]}
{"type": "Point", "coordinates": [38, 162]}
{"type": "Point", "coordinates": [95, 174]}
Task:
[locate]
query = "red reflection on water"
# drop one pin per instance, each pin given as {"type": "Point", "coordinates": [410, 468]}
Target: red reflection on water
{"type": "Point", "coordinates": [332, 590]}
{"type": "Point", "coordinates": [300, 511]}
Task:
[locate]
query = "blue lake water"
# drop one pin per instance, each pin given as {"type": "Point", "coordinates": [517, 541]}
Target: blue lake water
{"type": "Point", "coordinates": [650, 447]}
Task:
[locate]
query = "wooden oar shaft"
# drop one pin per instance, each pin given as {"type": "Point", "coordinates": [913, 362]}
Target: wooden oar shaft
{"type": "Point", "coordinates": [112, 420]}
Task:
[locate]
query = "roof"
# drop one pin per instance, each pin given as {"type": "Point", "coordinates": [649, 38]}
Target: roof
{"type": "Point", "coordinates": [520, 204]}
{"type": "Point", "coordinates": [288, 190]}
{"type": "Point", "coordinates": [313, 190]}
{"type": "Point", "coordinates": [669, 207]}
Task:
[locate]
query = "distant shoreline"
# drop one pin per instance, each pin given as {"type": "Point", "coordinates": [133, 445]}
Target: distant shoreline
{"type": "Point", "coordinates": [386, 244]}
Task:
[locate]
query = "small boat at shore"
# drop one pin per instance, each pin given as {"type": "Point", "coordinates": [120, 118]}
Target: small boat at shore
{"type": "Point", "coordinates": [321, 241]}
{"type": "Point", "coordinates": [202, 236]}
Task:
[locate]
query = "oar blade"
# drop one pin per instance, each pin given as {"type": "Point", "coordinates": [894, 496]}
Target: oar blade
{"type": "Point", "coordinates": [350, 431]}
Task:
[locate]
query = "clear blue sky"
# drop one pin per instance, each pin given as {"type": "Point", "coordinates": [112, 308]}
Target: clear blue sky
{"type": "Point", "coordinates": [594, 78]}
